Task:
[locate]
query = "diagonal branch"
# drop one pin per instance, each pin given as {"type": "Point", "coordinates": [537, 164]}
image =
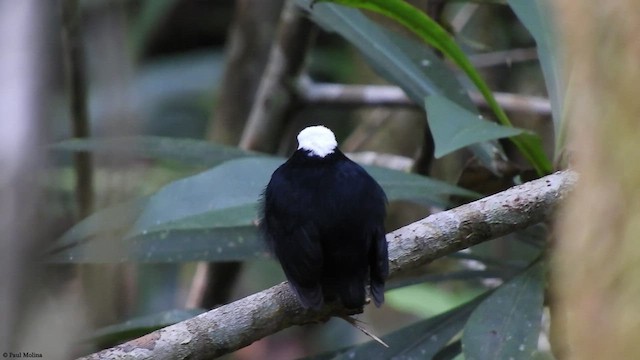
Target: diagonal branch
{"type": "Point", "coordinates": [275, 99]}
{"type": "Point", "coordinates": [242, 322]}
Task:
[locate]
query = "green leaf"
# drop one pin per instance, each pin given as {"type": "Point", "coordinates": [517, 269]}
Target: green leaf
{"type": "Point", "coordinates": [537, 17]}
{"type": "Point", "coordinates": [465, 275]}
{"type": "Point", "coordinates": [188, 151]}
{"type": "Point", "coordinates": [434, 35]}
{"type": "Point", "coordinates": [454, 128]}
{"type": "Point", "coordinates": [203, 198]}
{"type": "Point", "coordinates": [115, 218]}
{"type": "Point", "coordinates": [227, 195]}
{"type": "Point", "coordinates": [421, 340]}
{"type": "Point", "coordinates": [139, 326]}
{"type": "Point", "coordinates": [212, 215]}
{"type": "Point", "coordinates": [507, 324]}
{"type": "Point", "coordinates": [427, 299]}
{"type": "Point", "coordinates": [399, 185]}
{"type": "Point", "coordinates": [237, 243]}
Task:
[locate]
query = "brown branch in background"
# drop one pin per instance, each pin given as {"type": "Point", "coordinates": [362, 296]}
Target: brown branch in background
{"type": "Point", "coordinates": [276, 95]}
{"type": "Point", "coordinates": [212, 283]}
{"type": "Point", "coordinates": [322, 94]}
{"type": "Point", "coordinates": [516, 103]}
{"type": "Point", "coordinates": [246, 55]}
{"type": "Point", "coordinates": [233, 326]}
{"type": "Point", "coordinates": [247, 52]}
{"type": "Point", "coordinates": [424, 156]}
{"type": "Point", "coordinates": [76, 80]}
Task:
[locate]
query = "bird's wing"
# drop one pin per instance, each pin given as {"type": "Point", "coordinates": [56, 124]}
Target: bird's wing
{"type": "Point", "coordinates": [379, 263]}
{"type": "Point", "coordinates": [294, 240]}
{"type": "Point", "coordinates": [300, 255]}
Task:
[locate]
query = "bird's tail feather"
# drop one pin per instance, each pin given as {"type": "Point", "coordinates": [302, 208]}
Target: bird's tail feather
{"type": "Point", "coordinates": [377, 291]}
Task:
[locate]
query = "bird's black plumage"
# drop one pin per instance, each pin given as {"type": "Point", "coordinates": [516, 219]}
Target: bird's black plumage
{"type": "Point", "coordinates": [323, 218]}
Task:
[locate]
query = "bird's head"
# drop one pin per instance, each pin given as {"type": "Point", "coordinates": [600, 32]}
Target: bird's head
{"type": "Point", "coordinates": [317, 141]}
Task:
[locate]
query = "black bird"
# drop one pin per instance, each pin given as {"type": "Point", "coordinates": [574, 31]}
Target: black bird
{"type": "Point", "coordinates": [322, 216]}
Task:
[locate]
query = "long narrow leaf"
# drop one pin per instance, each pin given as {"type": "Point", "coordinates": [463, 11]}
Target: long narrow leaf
{"type": "Point", "coordinates": [212, 215]}
{"type": "Point", "coordinates": [115, 218]}
{"type": "Point", "coordinates": [537, 17]}
{"type": "Point", "coordinates": [507, 324]}
{"type": "Point", "coordinates": [188, 151]}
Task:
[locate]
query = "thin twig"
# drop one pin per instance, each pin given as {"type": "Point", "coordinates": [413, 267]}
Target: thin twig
{"type": "Point", "coordinates": [233, 326]}
{"type": "Point", "coordinates": [505, 57]}
{"type": "Point", "coordinates": [389, 161]}
{"type": "Point", "coordinates": [77, 84]}
{"type": "Point", "coordinates": [322, 94]}
{"type": "Point", "coordinates": [249, 40]}
{"type": "Point", "coordinates": [516, 103]}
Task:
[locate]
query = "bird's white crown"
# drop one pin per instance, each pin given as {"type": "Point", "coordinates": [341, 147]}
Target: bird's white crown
{"type": "Point", "coordinates": [319, 140]}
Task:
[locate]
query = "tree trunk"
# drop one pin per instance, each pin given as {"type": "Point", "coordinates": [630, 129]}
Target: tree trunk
{"type": "Point", "coordinates": [596, 269]}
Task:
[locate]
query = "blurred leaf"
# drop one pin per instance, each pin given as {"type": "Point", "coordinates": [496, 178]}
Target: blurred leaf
{"type": "Point", "coordinates": [227, 195]}
{"type": "Point", "coordinates": [426, 299]}
{"type": "Point", "coordinates": [237, 243]}
{"type": "Point", "coordinates": [142, 325]}
{"type": "Point", "coordinates": [421, 340]}
{"type": "Point", "coordinates": [152, 12]}
{"type": "Point", "coordinates": [433, 34]}
{"type": "Point", "coordinates": [454, 128]}
{"type": "Point", "coordinates": [115, 218]}
{"type": "Point", "coordinates": [449, 276]}
{"type": "Point", "coordinates": [211, 215]}
{"type": "Point", "coordinates": [188, 151]}
{"type": "Point", "coordinates": [535, 150]}
{"type": "Point", "coordinates": [171, 95]}
{"type": "Point", "coordinates": [537, 17]}
{"type": "Point", "coordinates": [507, 324]}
